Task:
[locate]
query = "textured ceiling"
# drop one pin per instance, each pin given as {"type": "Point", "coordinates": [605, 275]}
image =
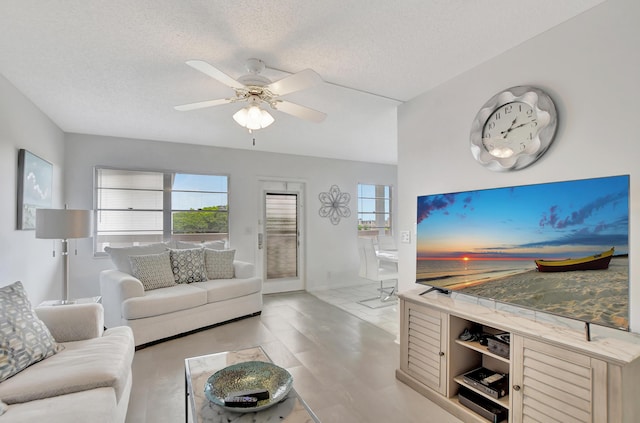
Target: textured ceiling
{"type": "Point", "coordinates": [117, 67]}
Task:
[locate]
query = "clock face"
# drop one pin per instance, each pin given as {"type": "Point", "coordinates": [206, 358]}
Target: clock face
{"type": "Point", "coordinates": [513, 128]}
{"type": "Point", "coordinates": [510, 130]}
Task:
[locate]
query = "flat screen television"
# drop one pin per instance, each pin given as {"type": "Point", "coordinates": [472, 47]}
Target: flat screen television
{"type": "Point", "coordinates": [560, 247]}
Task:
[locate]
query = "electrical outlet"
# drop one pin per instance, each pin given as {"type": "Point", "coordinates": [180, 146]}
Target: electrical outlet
{"type": "Point", "coordinates": [405, 237]}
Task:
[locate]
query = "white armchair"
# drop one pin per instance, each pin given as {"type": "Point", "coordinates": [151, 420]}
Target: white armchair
{"type": "Point", "coordinates": [88, 379]}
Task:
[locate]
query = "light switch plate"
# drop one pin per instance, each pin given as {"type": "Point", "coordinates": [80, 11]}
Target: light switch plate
{"type": "Point", "coordinates": [405, 237]}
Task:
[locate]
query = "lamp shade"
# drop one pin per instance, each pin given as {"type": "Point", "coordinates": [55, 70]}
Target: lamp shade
{"type": "Point", "coordinates": [63, 223]}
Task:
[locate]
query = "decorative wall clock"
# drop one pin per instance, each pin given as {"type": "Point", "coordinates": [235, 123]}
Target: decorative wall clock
{"type": "Point", "coordinates": [335, 204]}
{"type": "Point", "coordinates": [513, 128]}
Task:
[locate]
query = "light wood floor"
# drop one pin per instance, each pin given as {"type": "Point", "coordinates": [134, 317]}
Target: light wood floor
{"type": "Point", "coordinates": [342, 366]}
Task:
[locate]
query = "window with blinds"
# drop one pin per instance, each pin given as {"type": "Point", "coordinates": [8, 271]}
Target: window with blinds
{"type": "Point", "coordinates": [143, 207]}
{"type": "Point", "coordinates": [374, 210]}
{"type": "Point", "coordinates": [281, 235]}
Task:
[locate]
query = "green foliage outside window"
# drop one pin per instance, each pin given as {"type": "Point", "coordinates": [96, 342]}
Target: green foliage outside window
{"type": "Point", "coordinates": [205, 220]}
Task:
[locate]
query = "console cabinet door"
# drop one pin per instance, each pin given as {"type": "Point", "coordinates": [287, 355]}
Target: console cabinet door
{"type": "Point", "coordinates": [551, 384]}
{"type": "Point", "coordinates": [424, 351]}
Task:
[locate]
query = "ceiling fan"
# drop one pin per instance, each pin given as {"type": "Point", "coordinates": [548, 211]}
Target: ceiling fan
{"type": "Point", "coordinates": [256, 89]}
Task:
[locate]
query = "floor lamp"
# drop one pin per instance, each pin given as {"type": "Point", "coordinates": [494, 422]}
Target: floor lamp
{"type": "Point", "coordinates": [64, 224]}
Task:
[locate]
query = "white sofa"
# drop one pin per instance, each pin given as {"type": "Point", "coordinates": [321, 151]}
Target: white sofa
{"type": "Point", "coordinates": [88, 380]}
{"type": "Point", "coordinates": [157, 314]}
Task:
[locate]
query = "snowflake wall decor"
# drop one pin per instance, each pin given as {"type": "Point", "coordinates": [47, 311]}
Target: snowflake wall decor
{"type": "Point", "coordinates": [335, 204]}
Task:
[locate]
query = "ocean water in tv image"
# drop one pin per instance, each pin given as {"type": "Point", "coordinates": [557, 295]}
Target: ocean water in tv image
{"type": "Point", "coordinates": [458, 273]}
{"type": "Point", "coordinates": [486, 243]}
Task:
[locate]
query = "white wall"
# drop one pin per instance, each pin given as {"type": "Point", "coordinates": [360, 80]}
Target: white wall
{"type": "Point", "coordinates": [590, 66]}
{"type": "Point", "coordinates": [22, 256]}
{"type": "Point", "coordinates": [332, 257]}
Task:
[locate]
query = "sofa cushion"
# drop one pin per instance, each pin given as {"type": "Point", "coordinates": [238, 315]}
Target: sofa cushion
{"type": "Point", "coordinates": [224, 289]}
{"type": "Point", "coordinates": [82, 365]}
{"type": "Point", "coordinates": [163, 301]}
{"type": "Point", "coordinates": [153, 270]}
{"type": "Point", "coordinates": [219, 263]}
{"type": "Point", "coordinates": [94, 405]}
{"type": "Point", "coordinates": [120, 256]}
{"type": "Point", "coordinates": [24, 338]}
{"type": "Point", "coordinates": [188, 265]}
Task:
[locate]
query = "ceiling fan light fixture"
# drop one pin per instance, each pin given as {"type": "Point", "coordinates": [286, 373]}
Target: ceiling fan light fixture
{"type": "Point", "coordinates": [256, 89]}
{"type": "Point", "coordinates": [253, 117]}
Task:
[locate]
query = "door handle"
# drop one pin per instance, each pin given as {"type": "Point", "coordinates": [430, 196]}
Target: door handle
{"type": "Point", "coordinates": [260, 238]}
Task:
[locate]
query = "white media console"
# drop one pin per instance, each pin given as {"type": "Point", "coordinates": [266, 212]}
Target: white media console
{"type": "Point", "coordinates": [555, 374]}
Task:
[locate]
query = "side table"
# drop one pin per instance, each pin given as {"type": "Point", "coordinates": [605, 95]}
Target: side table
{"type": "Point", "coordinates": [292, 409]}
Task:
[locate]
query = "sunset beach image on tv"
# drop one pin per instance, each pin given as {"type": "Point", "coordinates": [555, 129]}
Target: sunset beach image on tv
{"type": "Point", "coordinates": [560, 247]}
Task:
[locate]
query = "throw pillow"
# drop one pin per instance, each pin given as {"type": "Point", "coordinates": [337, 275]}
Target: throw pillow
{"type": "Point", "coordinates": [24, 338]}
{"type": "Point", "coordinates": [219, 263]}
{"type": "Point", "coordinates": [182, 245]}
{"type": "Point", "coordinates": [120, 256]}
{"type": "Point", "coordinates": [188, 265]}
{"type": "Point", "coordinates": [153, 270]}
{"type": "Point", "coordinates": [214, 245]}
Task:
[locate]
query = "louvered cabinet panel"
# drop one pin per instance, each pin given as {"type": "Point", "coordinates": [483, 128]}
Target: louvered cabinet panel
{"type": "Point", "coordinates": [425, 346]}
{"type": "Point", "coordinates": [553, 384]}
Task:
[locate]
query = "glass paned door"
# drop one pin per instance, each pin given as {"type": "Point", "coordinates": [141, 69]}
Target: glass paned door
{"type": "Point", "coordinates": [280, 241]}
{"type": "Point", "coordinates": [281, 229]}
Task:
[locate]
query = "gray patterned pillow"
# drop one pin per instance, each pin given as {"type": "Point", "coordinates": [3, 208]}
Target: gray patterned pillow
{"type": "Point", "coordinates": [153, 270]}
{"type": "Point", "coordinates": [188, 265]}
{"type": "Point", "coordinates": [219, 263]}
{"type": "Point", "coordinates": [24, 338]}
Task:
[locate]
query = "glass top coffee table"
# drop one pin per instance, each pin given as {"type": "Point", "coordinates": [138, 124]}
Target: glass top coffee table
{"type": "Point", "coordinates": [198, 369]}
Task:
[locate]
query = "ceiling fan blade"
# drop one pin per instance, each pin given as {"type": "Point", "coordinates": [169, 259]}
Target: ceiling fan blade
{"type": "Point", "coordinates": [300, 111]}
{"type": "Point", "coordinates": [202, 104]}
{"type": "Point", "coordinates": [215, 73]}
{"type": "Point", "coordinates": [296, 82]}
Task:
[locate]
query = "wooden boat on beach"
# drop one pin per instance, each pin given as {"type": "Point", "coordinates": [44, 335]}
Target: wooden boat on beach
{"type": "Point", "coordinates": [595, 262]}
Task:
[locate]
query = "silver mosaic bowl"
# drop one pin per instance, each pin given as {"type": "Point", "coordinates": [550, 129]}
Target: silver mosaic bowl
{"type": "Point", "coordinates": [247, 376]}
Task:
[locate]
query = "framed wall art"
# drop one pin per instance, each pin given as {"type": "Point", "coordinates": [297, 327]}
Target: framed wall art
{"type": "Point", "coordinates": [35, 180]}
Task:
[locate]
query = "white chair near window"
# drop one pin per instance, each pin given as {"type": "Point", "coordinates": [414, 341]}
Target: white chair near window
{"type": "Point", "coordinates": [375, 269]}
{"type": "Point", "coordinates": [386, 243]}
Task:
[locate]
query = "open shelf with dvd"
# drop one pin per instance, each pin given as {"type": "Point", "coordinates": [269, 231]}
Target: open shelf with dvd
{"type": "Point", "coordinates": [450, 355]}
{"type": "Point", "coordinates": [474, 367]}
